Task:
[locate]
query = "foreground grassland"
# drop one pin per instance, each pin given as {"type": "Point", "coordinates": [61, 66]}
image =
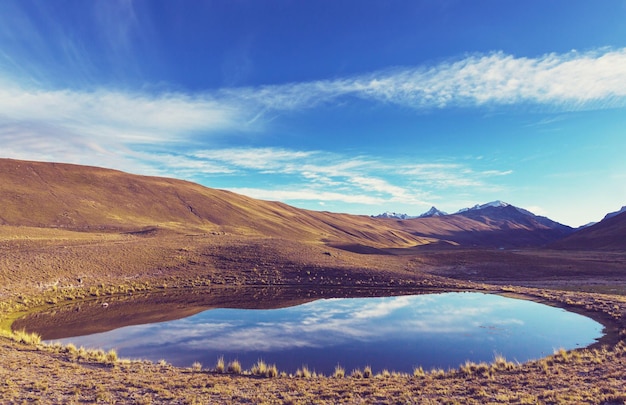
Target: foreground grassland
{"type": "Point", "coordinates": [42, 269]}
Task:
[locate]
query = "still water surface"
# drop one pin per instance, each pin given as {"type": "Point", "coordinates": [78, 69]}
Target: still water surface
{"type": "Point", "coordinates": [395, 333]}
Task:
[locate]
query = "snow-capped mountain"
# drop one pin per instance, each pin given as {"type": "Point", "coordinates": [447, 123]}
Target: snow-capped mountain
{"type": "Point", "coordinates": [496, 203]}
{"type": "Point", "coordinates": [496, 223]}
{"type": "Point", "coordinates": [393, 215]}
{"type": "Point", "coordinates": [433, 212]}
{"type": "Point", "coordinates": [502, 211]}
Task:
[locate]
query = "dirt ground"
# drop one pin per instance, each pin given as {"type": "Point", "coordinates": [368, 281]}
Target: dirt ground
{"type": "Point", "coordinates": [43, 269]}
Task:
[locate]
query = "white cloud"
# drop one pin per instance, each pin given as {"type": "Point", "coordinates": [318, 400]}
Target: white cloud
{"type": "Point", "coordinates": [383, 307]}
{"type": "Point", "coordinates": [442, 175]}
{"type": "Point", "coordinates": [170, 133]}
{"type": "Point", "coordinates": [570, 81]}
{"type": "Point", "coordinates": [496, 172]}
{"type": "Point", "coordinates": [257, 158]}
{"type": "Point", "coordinates": [377, 185]}
{"type": "Point", "coordinates": [119, 116]}
{"type": "Point", "coordinates": [308, 194]}
{"type": "Point", "coordinates": [110, 120]}
{"type": "Point", "coordinates": [575, 80]}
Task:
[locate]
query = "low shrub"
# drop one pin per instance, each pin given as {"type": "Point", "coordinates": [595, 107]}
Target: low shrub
{"type": "Point", "coordinates": [419, 372]}
{"type": "Point", "coordinates": [303, 372]}
{"type": "Point", "coordinates": [220, 366]}
{"type": "Point", "coordinates": [356, 373]}
{"type": "Point", "coordinates": [260, 368]}
{"type": "Point", "coordinates": [367, 372]}
{"type": "Point", "coordinates": [234, 367]}
{"type": "Point", "coordinates": [340, 372]}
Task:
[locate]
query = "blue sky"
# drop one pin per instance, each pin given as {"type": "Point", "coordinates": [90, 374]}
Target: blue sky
{"type": "Point", "coordinates": [346, 106]}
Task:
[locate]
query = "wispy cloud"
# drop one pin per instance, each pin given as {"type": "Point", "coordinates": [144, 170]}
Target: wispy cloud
{"type": "Point", "coordinates": [383, 308]}
{"type": "Point", "coordinates": [264, 159]}
{"type": "Point", "coordinates": [309, 195]}
{"type": "Point", "coordinates": [173, 132]}
{"type": "Point", "coordinates": [324, 323]}
{"type": "Point", "coordinates": [576, 80]}
{"type": "Point", "coordinates": [569, 81]}
{"type": "Point", "coordinates": [127, 117]}
{"type": "Point", "coordinates": [324, 176]}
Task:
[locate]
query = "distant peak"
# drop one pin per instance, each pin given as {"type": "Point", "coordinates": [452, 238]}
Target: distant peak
{"type": "Point", "coordinates": [393, 215]}
{"type": "Point", "coordinates": [433, 212]}
{"type": "Point", "coordinates": [612, 214]}
{"type": "Point", "coordinates": [496, 204]}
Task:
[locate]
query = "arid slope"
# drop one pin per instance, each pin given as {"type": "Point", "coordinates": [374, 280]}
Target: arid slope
{"type": "Point", "coordinates": [53, 195]}
{"type": "Point", "coordinates": [608, 234]}
{"type": "Point", "coordinates": [82, 235]}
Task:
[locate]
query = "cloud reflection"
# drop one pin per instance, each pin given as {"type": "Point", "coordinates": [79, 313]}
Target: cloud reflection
{"type": "Point", "coordinates": [329, 324]}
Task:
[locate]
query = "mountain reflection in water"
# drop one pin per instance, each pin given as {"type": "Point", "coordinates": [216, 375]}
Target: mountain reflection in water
{"type": "Point", "coordinates": [395, 333]}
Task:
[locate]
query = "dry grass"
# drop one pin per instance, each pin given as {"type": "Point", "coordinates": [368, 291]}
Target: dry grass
{"type": "Point", "coordinates": [581, 376]}
{"type": "Point", "coordinates": [45, 268]}
{"type": "Point", "coordinates": [220, 366]}
{"type": "Point", "coordinates": [340, 372]}
{"type": "Point", "coordinates": [67, 374]}
{"type": "Point", "coordinates": [50, 373]}
{"type": "Point", "coordinates": [234, 367]}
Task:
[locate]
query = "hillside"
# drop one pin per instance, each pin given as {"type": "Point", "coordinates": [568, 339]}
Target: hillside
{"type": "Point", "coordinates": [501, 227]}
{"type": "Point", "coordinates": [608, 234]}
{"type": "Point", "coordinates": [81, 198]}
{"type": "Point", "coordinates": [53, 195]}
{"type": "Point", "coordinates": [76, 240]}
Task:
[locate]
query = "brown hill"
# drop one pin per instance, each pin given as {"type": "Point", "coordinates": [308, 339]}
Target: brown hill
{"type": "Point", "coordinates": [608, 234]}
{"type": "Point", "coordinates": [54, 195]}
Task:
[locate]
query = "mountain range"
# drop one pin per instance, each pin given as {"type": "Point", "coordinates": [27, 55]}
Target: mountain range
{"type": "Point", "coordinates": [608, 234]}
{"type": "Point", "coordinates": [82, 198]}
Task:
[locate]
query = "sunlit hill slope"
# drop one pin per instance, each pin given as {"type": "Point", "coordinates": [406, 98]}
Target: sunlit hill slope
{"type": "Point", "coordinates": [54, 195]}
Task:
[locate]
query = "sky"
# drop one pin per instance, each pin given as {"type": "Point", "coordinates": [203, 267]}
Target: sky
{"type": "Point", "coordinates": [346, 106]}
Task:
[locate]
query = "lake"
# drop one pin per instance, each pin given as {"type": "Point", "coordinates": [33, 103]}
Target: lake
{"type": "Point", "coordinates": [395, 333]}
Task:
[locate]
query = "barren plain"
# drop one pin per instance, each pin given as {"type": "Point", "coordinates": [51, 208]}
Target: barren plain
{"type": "Point", "coordinates": [72, 234]}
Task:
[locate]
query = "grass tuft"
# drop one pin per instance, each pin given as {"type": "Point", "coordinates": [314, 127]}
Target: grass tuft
{"type": "Point", "coordinates": [356, 373]}
{"type": "Point", "coordinates": [111, 356]}
{"type": "Point", "coordinates": [220, 366]}
{"type": "Point", "coordinates": [303, 372]}
{"type": "Point", "coordinates": [367, 372]}
{"type": "Point", "coordinates": [21, 336]}
{"type": "Point", "coordinates": [272, 371]}
{"type": "Point", "coordinates": [265, 370]}
{"type": "Point", "coordinates": [260, 368]}
{"type": "Point", "coordinates": [437, 372]}
{"type": "Point", "coordinates": [500, 363]}
{"type": "Point", "coordinates": [419, 372]}
{"type": "Point", "coordinates": [234, 367]}
{"type": "Point", "coordinates": [340, 372]}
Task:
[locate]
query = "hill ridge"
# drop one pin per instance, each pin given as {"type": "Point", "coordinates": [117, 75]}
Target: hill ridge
{"type": "Point", "coordinates": [87, 198]}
